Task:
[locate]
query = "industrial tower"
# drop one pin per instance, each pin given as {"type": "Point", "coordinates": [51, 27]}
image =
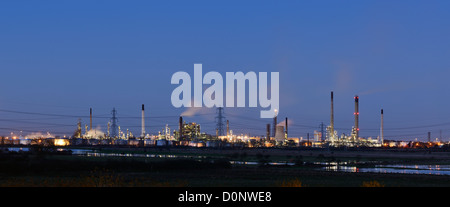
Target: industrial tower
{"type": "Point", "coordinates": [382, 128]}
{"type": "Point", "coordinates": [77, 133]}
{"type": "Point", "coordinates": [275, 123]}
{"type": "Point", "coordinates": [220, 118]}
{"type": "Point", "coordinates": [114, 123]}
{"type": "Point", "coordinates": [356, 117]}
{"type": "Point", "coordinates": [90, 118]}
{"type": "Point", "coordinates": [143, 123]}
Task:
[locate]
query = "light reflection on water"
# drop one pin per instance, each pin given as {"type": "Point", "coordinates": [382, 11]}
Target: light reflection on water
{"type": "Point", "coordinates": [256, 163]}
{"type": "Point", "coordinates": [17, 149]}
{"type": "Point", "coordinates": [101, 154]}
{"type": "Point", "coordinates": [402, 169]}
{"type": "Point", "coordinates": [26, 149]}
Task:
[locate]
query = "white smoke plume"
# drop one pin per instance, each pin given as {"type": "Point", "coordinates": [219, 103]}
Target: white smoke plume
{"type": "Point", "coordinates": [283, 123]}
{"type": "Point", "coordinates": [192, 111]}
{"type": "Point", "coordinates": [37, 135]}
{"type": "Point", "coordinates": [344, 75]}
{"type": "Point", "coordinates": [95, 133]}
{"type": "Point", "coordinates": [385, 88]}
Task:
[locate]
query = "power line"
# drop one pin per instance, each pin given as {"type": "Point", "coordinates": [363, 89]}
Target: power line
{"type": "Point", "coordinates": [240, 122]}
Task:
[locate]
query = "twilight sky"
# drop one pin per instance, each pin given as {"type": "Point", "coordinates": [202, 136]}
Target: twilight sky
{"type": "Point", "coordinates": [59, 58]}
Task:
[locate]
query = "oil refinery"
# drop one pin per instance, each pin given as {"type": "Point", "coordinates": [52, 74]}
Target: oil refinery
{"type": "Point", "coordinates": [190, 134]}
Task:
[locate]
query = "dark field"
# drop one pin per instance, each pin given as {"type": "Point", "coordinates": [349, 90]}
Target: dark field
{"type": "Point", "coordinates": [213, 169]}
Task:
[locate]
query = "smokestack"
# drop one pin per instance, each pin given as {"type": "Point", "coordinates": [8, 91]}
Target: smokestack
{"type": "Point", "coordinates": [268, 133]}
{"type": "Point", "coordinates": [357, 116]}
{"type": "Point", "coordinates": [228, 128]}
{"type": "Point", "coordinates": [143, 122]}
{"type": "Point", "coordinates": [275, 123]}
{"type": "Point", "coordinates": [90, 116]}
{"type": "Point", "coordinates": [181, 128]}
{"type": "Point", "coordinates": [429, 136]}
{"type": "Point", "coordinates": [307, 138]}
{"type": "Point", "coordinates": [382, 128]}
{"type": "Point", "coordinates": [332, 114]}
{"type": "Point", "coordinates": [321, 132]}
{"type": "Point", "coordinates": [109, 134]}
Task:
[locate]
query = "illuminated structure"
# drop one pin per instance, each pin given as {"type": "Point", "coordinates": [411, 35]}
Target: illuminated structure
{"type": "Point", "coordinates": [220, 124]}
{"type": "Point", "coordinates": [191, 133]}
{"type": "Point", "coordinates": [228, 128]}
{"type": "Point", "coordinates": [180, 129]}
{"type": "Point", "coordinates": [275, 123]}
{"type": "Point", "coordinates": [332, 137]}
{"type": "Point", "coordinates": [143, 123]}
{"type": "Point", "coordinates": [77, 133]}
{"type": "Point", "coordinates": [186, 132]}
{"type": "Point", "coordinates": [166, 134]}
{"type": "Point", "coordinates": [332, 113]}
{"type": "Point", "coordinates": [353, 140]}
{"type": "Point", "coordinates": [356, 131]}
{"type": "Point", "coordinates": [90, 118]}
{"type": "Point", "coordinates": [280, 135]}
{"type": "Point", "coordinates": [108, 129]}
{"type": "Point", "coordinates": [286, 125]}
{"type": "Point", "coordinates": [382, 128]}
{"type": "Point", "coordinates": [114, 123]}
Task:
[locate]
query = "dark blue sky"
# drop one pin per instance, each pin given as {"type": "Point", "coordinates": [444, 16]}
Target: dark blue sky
{"type": "Point", "coordinates": [63, 57]}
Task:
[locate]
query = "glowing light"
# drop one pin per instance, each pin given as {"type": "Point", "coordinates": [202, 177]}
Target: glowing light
{"type": "Point", "coordinates": [61, 142]}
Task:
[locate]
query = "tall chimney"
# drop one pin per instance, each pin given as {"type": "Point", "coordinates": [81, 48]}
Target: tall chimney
{"type": "Point", "coordinates": [268, 133]}
{"type": "Point", "coordinates": [228, 128]}
{"type": "Point", "coordinates": [332, 114]}
{"type": "Point", "coordinates": [286, 123]}
{"type": "Point", "coordinates": [382, 128]}
{"type": "Point", "coordinates": [357, 116]}
{"type": "Point", "coordinates": [90, 116]}
{"type": "Point", "coordinates": [275, 123]}
{"type": "Point", "coordinates": [143, 122]}
{"type": "Point", "coordinates": [109, 127]}
{"type": "Point", "coordinates": [307, 138]}
{"type": "Point", "coordinates": [181, 128]}
{"type": "Point", "coordinates": [429, 136]}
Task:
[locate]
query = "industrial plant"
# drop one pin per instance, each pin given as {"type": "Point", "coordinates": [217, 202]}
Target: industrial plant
{"type": "Point", "coordinates": [190, 134]}
{"type": "Point", "coordinates": [353, 140]}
